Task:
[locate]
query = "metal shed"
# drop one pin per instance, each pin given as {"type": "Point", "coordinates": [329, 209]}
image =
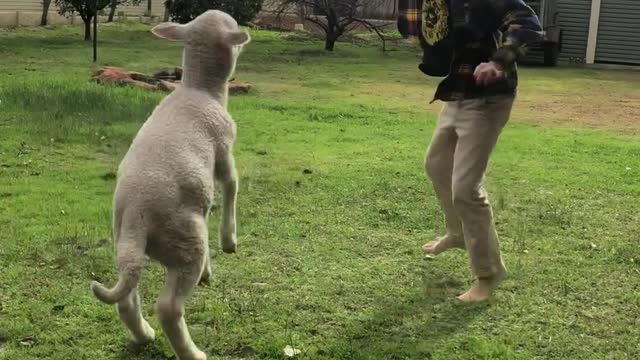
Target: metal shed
{"type": "Point", "coordinates": [618, 32]}
{"type": "Point", "coordinates": [588, 31]}
{"type": "Point", "coordinates": [573, 19]}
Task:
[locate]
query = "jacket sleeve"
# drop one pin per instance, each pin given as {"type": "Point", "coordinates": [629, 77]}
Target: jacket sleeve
{"type": "Point", "coordinates": [520, 27]}
{"type": "Point", "coordinates": [409, 18]}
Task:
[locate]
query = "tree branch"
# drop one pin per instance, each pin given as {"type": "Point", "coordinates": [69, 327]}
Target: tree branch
{"type": "Point", "coordinates": [341, 15]}
{"type": "Point", "coordinates": [375, 28]}
{"type": "Point", "coordinates": [318, 22]}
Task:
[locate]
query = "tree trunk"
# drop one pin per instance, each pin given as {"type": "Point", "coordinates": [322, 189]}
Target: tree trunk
{"type": "Point", "coordinates": [330, 42]}
{"type": "Point", "coordinates": [45, 12]}
{"type": "Point", "coordinates": [87, 27]}
{"type": "Point", "coordinates": [167, 5]}
{"type": "Point", "coordinates": [112, 12]}
{"type": "Point", "coordinates": [334, 30]}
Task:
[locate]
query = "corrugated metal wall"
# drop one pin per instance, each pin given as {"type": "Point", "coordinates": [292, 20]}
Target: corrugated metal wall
{"type": "Point", "coordinates": [619, 32]}
{"type": "Point", "coordinates": [574, 21]}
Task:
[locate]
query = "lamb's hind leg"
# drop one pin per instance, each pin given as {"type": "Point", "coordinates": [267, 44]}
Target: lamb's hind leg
{"type": "Point", "coordinates": [205, 277]}
{"type": "Point", "coordinates": [226, 174]}
{"type": "Point", "coordinates": [170, 308]}
{"type": "Point", "coordinates": [130, 314]}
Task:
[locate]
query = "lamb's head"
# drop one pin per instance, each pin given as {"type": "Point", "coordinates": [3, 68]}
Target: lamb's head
{"type": "Point", "coordinates": [212, 41]}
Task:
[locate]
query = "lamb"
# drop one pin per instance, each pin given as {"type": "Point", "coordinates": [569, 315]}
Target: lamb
{"type": "Point", "coordinates": [166, 181]}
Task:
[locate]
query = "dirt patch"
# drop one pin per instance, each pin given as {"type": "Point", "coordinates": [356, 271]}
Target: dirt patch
{"type": "Point", "coordinates": [163, 80]}
{"type": "Point", "coordinates": [612, 104]}
{"type": "Point", "coordinates": [615, 110]}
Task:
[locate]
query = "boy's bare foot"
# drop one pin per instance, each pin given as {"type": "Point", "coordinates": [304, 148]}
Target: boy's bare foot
{"type": "Point", "coordinates": [443, 244]}
{"type": "Point", "coordinates": [482, 290]}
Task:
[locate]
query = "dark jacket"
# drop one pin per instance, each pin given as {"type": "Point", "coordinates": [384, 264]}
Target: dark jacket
{"type": "Point", "coordinates": [479, 31]}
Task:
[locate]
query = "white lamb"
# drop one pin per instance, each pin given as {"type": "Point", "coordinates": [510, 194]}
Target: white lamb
{"type": "Point", "coordinates": [165, 182]}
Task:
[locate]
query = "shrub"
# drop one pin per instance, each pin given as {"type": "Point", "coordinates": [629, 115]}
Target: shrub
{"type": "Point", "coordinates": [183, 11]}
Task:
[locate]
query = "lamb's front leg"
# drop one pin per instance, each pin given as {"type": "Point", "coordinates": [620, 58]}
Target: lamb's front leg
{"type": "Point", "coordinates": [227, 176]}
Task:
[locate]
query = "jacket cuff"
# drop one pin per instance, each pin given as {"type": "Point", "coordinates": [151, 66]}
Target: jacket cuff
{"type": "Point", "coordinates": [505, 57]}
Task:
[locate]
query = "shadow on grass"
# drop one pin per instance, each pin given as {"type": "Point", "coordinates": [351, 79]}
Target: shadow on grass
{"type": "Point", "coordinates": [411, 326]}
{"type": "Point", "coordinates": [148, 351]}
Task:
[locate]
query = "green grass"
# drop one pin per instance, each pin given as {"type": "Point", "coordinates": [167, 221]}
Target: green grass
{"type": "Point", "coordinates": [329, 262]}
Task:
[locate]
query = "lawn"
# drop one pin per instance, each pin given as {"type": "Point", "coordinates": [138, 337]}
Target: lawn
{"type": "Point", "coordinates": [333, 208]}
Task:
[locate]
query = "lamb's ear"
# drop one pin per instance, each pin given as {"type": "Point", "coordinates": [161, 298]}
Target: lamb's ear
{"type": "Point", "coordinates": [237, 38]}
{"type": "Point", "coordinates": [170, 31]}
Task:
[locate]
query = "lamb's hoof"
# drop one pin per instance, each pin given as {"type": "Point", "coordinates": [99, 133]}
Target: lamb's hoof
{"type": "Point", "coordinates": [230, 249]}
{"type": "Point", "coordinates": [229, 244]}
{"type": "Point", "coordinates": [148, 336]}
{"type": "Point", "coordinates": [198, 355]}
{"type": "Point", "coordinates": [205, 278]}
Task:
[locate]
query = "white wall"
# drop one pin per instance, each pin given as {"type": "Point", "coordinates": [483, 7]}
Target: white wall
{"type": "Point", "coordinates": [29, 12]}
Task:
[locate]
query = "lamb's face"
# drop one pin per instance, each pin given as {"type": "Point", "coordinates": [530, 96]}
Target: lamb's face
{"type": "Point", "coordinates": [213, 42]}
{"type": "Point", "coordinates": [215, 28]}
{"type": "Point", "coordinates": [212, 29]}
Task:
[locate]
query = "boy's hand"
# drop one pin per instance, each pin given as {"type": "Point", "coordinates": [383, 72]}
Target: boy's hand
{"type": "Point", "coordinates": [487, 73]}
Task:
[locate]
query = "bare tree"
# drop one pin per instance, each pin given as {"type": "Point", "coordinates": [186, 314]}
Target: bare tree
{"type": "Point", "coordinates": [167, 6]}
{"type": "Point", "coordinates": [334, 17]}
{"type": "Point", "coordinates": [87, 9]}
{"type": "Point", "coordinates": [45, 12]}
{"type": "Point", "coordinates": [112, 10]}
{"type": "Point", "coordinates": [115, 3]}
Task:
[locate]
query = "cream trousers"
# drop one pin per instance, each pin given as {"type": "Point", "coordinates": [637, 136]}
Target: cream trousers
{"type": "Point", "coordinates": [456, 161]}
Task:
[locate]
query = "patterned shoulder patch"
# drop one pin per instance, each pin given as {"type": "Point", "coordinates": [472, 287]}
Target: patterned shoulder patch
{"type": "Point", "coordinates": [435, 20]}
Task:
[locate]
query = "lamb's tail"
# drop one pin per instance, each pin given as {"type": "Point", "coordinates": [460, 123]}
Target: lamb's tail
{"type": "Point", "coordinates": [130, 260]}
